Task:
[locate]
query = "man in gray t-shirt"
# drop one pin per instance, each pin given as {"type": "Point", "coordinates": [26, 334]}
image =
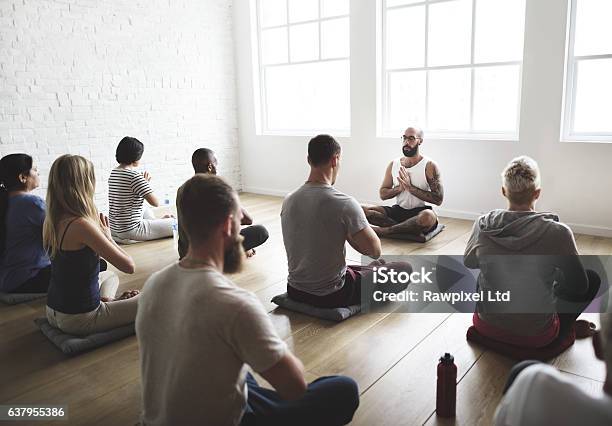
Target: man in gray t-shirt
{"type": "Point", "coordinates": [317, 220]}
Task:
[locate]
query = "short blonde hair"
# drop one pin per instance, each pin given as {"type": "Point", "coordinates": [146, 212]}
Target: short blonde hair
{"type": "Point", "coordinates": [521, 178]}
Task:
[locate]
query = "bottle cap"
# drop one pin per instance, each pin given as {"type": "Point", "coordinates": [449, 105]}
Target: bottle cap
{"type": "Point", "coordinates": [447, 358]}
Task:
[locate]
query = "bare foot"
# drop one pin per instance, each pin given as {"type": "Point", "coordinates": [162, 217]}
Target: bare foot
{"type": "Point", "coordinates": [250, 253]}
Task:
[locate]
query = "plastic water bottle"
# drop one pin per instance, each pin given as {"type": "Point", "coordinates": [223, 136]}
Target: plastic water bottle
{"type": "Point", "coordinates": [175, 234]}
{"type": "Point", "coordinates": [446, 395]}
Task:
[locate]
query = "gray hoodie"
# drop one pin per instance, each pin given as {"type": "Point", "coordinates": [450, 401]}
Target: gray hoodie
{"type": "Point", "coordinates": [532, 255]}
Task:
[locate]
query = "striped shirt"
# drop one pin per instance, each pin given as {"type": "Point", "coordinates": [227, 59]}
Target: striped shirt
{"type": "Point", "coordinates": [126, 191]}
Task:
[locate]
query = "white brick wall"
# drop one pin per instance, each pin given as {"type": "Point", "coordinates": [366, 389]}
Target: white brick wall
{"type": "Point", "coordinates": [76, 76]}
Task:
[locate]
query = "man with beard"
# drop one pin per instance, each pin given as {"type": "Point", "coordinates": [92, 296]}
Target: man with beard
{"type": "Point", "coordinates": [197, 333]}
{"type": "Point", "coordinates": [204, 160]}
{"type": "Point", "coordinates": [414, 180]}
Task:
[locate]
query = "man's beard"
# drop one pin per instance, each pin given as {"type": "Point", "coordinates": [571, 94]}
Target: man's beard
{"type": "Point", "coordinates": [410, 152]}
{"type": "Point", "coordinates": [233, 257]}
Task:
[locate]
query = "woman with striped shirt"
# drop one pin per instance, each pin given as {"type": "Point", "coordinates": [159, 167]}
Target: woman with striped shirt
{"type": "Point", "coordinates": [128, 189]}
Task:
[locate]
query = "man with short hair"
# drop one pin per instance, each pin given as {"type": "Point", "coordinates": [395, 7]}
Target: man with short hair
{"type": "Point", "coordinates": [538, 394]}
{"type": "Point", "coordinates": [204, 160]}
{"type": "Point", "coordinates": [413, 180]}
{"type": "Point", "coordinates": [533, 256]}
{"type": "Point", "coordinates": [317, 220]}
{"type": "Point", "coordinates": [197, 333]}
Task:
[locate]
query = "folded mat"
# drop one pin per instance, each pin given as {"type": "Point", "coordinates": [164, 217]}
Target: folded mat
{"type": "Point", "coordinates": [421, 238]}
{"type": "Point", "coordinates": [520, 353]}
{"type": "Point", "coordinates": [72, 345]}
{"type": "Point", "coordinates": [15, 298]}
{"type": "Point", "coordinates": [330, 314]}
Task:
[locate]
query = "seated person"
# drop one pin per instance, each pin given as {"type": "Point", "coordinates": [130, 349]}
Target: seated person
{"type": "Point", "coordinates": [317, 220]}
{"type": "Point", "coordinates": [414, 180]}
{"type": "Point", "coordinates": [24, 264]}
{"type": "Point", "coordinates": [81, 300]}
{"type": "Point", "coordinates": [127, 190]}
{"type": "Point", "coordinates": [196, 318]}
{"type": "Point", "coordinates": [205, 161]}
{"type": "Point", "coordinates": [538, 394]}
{"type": "Point", "coordinates": [533, 256]}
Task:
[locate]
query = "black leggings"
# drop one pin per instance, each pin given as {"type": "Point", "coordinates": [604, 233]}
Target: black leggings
{"type": "Point", "coordinates": [570, 310]}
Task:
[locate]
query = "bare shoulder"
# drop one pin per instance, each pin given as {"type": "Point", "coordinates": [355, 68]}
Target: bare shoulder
{"type": "Point", "coordinates": [432, 168]}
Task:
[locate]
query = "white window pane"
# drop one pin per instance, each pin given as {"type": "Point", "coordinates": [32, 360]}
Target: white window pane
{"type": "Point", "coordinates": [303, 10]}
{"type": "Point", "coordinates": [406, 93]}
{"type": "Point", "coordinates": [405, 37]}
{"type": "Point", "coordinates": [335, 38]}
{"type": "Point", "coordinates": [391, 3]}
{"type": "Point", "coordinates": [304, 42]}
{"type": "Point", "coordinates": [449, 100]}
{"type": "Point", "coordinates": [499, 30]}
{"type": "Point", "coordinates": [496, 91]}
{"type": "Point", "coordinates": [593, 29]}
{"type": "Point", "coordinates": [308, 96]}
{"type": "Point", "coordinates": [450, 33]}
{"type": "Point", "coordinates": [273, 12]}
{"type": "Point", "coordinates": [331, 8]}
{"type": "Point", "coordinates": [593, 109]}
{"type": "Point", "coordinates": [274, 46]}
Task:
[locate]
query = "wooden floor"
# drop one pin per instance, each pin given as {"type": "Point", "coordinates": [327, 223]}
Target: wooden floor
{"type": "Point", "coordinates": [392, 357]}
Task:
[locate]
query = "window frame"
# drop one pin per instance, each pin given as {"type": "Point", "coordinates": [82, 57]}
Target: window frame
{"type": "Point", "coordinates": [570, 86]}
{"type": "Point", "coordinates": [261, 107]}
{"type": "Point", "coordinates": [383, 98]}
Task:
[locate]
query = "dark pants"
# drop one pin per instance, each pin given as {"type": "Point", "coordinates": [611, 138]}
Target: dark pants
{"type": "Point", "coordinates": [254, 236]}
{"type": "Point", "coordinates": [570, 310]}
{"type": "Point", "coordinates": [350, 293]}
{"type": "Point", "coordinates": [516, 370]}
{"type": "Point", "coordinates": [329, 401]}
{"type": "Point", "coordinates": [39, 283]}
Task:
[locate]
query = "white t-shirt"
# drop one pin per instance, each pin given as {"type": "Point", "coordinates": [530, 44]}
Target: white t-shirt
{"type": "Point", "coordinates": [541, 395]}
{"type": "Point", "coordinates": [197, 332]}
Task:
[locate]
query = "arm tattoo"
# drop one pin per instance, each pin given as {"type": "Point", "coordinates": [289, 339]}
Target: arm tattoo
{"type": "Point", "coordinates": [436, 193]}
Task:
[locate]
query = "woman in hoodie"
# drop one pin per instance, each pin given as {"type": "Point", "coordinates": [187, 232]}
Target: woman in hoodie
{"type": "Point", "coordinates": [534, 257]}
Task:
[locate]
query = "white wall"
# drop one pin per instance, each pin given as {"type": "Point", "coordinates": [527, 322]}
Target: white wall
{"type": "Point", "coordinates": [577, 182]}
{"type": "Point", "coordinates": [76, 76]}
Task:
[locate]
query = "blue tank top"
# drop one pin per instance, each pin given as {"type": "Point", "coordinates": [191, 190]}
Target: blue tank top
{"type": "Point", "coordinates": [74, 286]}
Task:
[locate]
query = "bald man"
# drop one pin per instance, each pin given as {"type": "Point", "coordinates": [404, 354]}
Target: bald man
{"type": "Point", "coordinates": [414, 180]}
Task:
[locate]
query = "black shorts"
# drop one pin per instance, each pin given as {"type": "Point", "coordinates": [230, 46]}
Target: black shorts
{"type": "Point", "coordinates": [400, 214]}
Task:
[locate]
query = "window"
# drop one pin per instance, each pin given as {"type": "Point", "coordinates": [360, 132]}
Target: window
{"type": "Point", "coordinates": [588, 88]}
{"type": "Point", "coordinates": [452, 67]}
{"type": "Point", "coordinates": [304, 68]}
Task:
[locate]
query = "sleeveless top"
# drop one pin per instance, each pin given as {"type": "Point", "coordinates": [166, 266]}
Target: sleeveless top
{"type": "Point", "coordinates": [418, 178]}
{"type": "Point", "coordinates": [74, 286]}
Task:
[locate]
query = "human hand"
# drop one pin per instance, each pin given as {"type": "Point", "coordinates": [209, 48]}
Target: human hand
{"type": "Point", "coordinates": [147, 176]}
{"type": "Point", "coordinates": [105, 226]}
{"type": "Point", "coordinates": [404, 179]}
{"type": "Point", "coordinates": [128, 294]}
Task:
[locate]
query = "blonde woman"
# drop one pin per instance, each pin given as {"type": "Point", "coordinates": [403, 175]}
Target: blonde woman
{"type": "Point", "coordinates": [81, 299]}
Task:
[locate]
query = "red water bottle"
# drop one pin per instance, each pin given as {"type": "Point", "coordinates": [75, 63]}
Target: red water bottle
{"type": "Point", "coordinates": [446, 394]}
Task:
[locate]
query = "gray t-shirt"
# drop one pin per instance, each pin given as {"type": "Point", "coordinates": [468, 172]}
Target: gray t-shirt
{"type": "Point", "coordinates": [316, 220]}
{"type": "Point", "coordinates": [197, 332]}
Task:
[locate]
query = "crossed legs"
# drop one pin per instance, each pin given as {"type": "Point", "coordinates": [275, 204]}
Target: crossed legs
{"type": "Point", "coordinates": [385, 225]}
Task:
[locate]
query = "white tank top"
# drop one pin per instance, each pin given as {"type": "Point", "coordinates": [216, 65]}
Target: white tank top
{"type": "Point", "coordinates": [418, 178]}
